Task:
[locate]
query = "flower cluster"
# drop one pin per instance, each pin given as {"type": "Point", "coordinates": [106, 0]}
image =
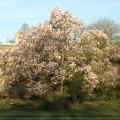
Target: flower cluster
{"type": "Point", "coordinates": [90, 76]}
{"type": "Point", "coordinates": [95, 37]}
{"type": "Point", "coordinates": [64, 21]}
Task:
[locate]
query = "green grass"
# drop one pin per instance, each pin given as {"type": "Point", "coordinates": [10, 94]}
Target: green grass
{"type": "Point", "coordinates": [28, 108]}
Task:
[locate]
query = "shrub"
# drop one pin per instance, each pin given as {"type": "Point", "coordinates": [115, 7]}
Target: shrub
{"type": "Point", "coordinates": [76, 88]}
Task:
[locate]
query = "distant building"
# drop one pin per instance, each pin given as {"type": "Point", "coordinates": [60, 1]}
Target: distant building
{"type": "Point", "coordinates": [4, 47]}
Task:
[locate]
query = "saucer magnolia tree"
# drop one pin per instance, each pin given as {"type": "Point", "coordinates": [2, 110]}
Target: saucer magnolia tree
{"type": "Point", "coordinates": [42, 60]}
{"type": "Point", "coordinates": [97, 51]}
{"type": "Point", "coordinates": [70, 28]}
{"type": "Point", "coordinates": [56, 53]}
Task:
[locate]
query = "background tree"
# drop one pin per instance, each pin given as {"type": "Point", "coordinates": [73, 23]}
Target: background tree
{"type": "Point", "coordinates": [24, 28]}
{"type": "Point", "coordinates": [108, 26]}
{"type": "Point", "coordinates": [12, 40]}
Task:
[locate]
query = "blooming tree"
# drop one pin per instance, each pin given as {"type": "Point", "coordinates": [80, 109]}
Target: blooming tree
{"type": "Point", "coordinates": [51, 54]}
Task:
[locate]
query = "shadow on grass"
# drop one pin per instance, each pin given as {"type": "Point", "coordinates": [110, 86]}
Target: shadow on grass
{"type": "Point", "coordinates": [43, 104]}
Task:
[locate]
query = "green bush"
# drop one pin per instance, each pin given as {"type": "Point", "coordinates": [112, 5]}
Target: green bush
{"type": "Point", "coordinates": [105, 91]}
{"type": "Point", "coordinates": [117, 89]}
{"type": "Point", "coordinates": [76, 88]}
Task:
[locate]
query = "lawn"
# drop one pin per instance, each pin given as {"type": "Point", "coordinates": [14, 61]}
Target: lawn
{"type": "Point", "coordinates": [23, 108]}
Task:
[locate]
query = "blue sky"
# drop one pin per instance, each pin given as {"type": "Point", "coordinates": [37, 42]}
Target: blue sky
{"type": "Point", "coordinates": [13, 13]}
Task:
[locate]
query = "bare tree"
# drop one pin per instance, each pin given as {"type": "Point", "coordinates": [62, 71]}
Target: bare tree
{"type": "Point", "coordinates": [24, 28]}
{"type": "Point", "coordinates": [108, 26]}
